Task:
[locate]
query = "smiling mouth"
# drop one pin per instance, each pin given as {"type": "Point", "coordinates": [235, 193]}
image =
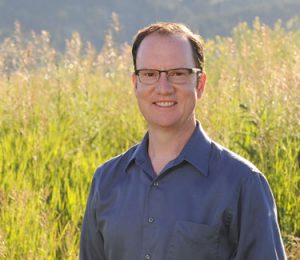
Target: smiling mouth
{"type": "Point", "coordinates": [165, 104]}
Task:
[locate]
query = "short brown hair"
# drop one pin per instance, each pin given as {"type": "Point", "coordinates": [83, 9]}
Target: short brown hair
{"type": "Point", "coordinates": [165, 28]}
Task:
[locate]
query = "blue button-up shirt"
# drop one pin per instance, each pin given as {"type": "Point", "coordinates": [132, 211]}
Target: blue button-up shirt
{"type": "Point", "coordinates": [208, 203]}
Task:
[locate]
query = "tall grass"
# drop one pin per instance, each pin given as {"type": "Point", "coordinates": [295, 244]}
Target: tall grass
{"type": "Point", "coordinates": [62, 114]}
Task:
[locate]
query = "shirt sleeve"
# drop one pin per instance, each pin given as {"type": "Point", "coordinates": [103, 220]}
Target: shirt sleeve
{"type": "Point", "coordinates": [258, 234]}
{"type": "Point", "coordinates": [91, 241]}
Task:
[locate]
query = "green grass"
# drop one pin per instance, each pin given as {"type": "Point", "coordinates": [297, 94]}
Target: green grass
{"type": "Point", "coordinates": [63, 114]}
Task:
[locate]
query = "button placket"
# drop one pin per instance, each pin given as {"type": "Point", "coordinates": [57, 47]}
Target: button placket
{"type": "Point", "coordinates": [149, 227]}
{"type": "Point", "coordinates": [155, 184]}
{"type": "Point", "coordinates": [150, 220]}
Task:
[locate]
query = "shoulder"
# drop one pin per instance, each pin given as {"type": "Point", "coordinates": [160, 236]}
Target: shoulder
{"type": "Point", "coordinates": [115, 167]}
{"type": "Point", "coordinates": [230, 165]}
{"type": "Point", "coordinates": [108, 175]}
{"type": "Point", "coordinates": [239, 175]}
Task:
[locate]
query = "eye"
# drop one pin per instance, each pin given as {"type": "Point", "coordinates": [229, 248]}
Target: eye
{"type": "Point", "coordinates": [148, 73]}
{"type": "Point", "coordinates": [178, 73]}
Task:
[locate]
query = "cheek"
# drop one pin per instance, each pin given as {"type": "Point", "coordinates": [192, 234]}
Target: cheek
{"type": "Point", "coordinates": [142, 93]}
{"type": "Point", "coordinates": [138, 92]}
{"type": "Point", "coordinates": [191, 99]}
{"type": "Point", "coordinates": [142, 98]}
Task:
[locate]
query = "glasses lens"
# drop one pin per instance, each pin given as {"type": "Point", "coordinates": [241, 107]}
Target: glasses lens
{"type": "Point", "coordinates": [179, 76]}
{"type": "Point", "coordinates": [148, 76]}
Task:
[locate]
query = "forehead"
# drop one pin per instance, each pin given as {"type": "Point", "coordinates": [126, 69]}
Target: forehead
{"type": "Point", "coordinates": [165, 51]}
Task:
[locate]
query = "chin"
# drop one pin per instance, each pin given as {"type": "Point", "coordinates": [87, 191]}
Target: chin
{"type": "Point", "coordinates": [163, 124]}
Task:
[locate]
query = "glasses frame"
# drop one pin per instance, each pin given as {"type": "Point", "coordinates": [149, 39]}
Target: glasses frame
{"type": "Point", "coordinates": [196, 71]}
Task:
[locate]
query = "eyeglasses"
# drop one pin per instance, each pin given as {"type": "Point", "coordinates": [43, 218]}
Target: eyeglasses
{"type": "Point", "coordinates": [176, 76]}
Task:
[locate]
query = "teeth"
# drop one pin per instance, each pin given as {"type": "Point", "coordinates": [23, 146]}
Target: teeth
{"type": "Point", "coordinates": [165, 104]}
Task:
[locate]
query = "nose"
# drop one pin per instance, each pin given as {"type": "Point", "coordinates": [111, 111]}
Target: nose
{"type": "Point", "coordinates": [163, 85]}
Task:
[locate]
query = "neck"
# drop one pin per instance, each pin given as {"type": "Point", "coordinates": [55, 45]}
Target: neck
{"type": "Point", "coordinates": [165, 144]}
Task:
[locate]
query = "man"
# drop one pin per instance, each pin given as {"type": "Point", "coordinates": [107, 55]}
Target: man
{"type": "Point", "coordinates": [177, 195]}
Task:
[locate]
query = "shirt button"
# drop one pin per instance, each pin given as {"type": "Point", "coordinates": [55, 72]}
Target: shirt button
{"type": "Point", "coordinates": [147, 256]}
{"type": "Point", "coordinates": [155, 184]}
{"type": "Point", "coordinates": [150, 220]}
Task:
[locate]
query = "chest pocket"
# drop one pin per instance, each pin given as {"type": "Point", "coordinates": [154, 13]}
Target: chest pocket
{"type": "Point", "coordinates": [191, 241]}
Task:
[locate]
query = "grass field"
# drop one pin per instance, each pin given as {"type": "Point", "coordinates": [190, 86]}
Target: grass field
{"type": "Point", "coordinates": [63, 114]}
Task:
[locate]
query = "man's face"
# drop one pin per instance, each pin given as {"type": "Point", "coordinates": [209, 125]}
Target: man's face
{"type": "Point", "coordinates": [164, 104]}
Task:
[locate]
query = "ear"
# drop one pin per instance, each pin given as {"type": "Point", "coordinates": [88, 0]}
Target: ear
{"type": "Point", "coordinates": [201, 84]}
{"type": "Point", "coordinates": [134, 81]}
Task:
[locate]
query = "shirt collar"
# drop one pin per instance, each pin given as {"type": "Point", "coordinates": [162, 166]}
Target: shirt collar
{"type": "Point", "coordinates": [140, 154]}
{"type": "Point", "coordinates": [196, 151]}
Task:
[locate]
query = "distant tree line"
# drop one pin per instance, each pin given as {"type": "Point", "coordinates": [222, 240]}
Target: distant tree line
{"type": "Point", "coordinates": [92, 18]}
